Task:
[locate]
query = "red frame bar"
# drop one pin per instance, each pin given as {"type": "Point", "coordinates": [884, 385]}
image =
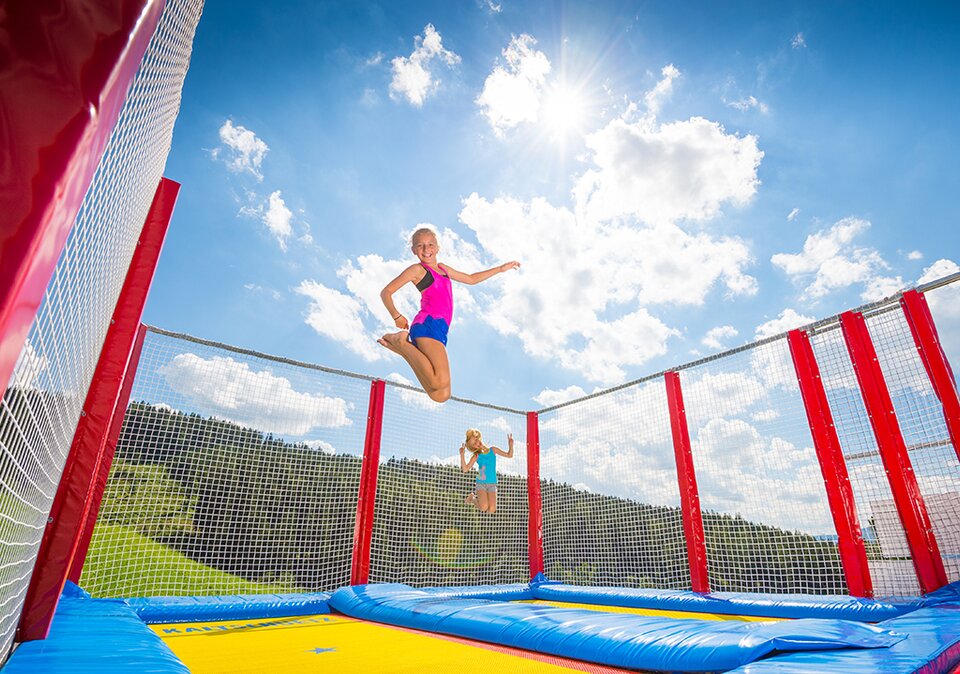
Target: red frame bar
{"type": "Point", "coordinates": [924, 331]}
{"type": "Point", "coordinates": [75, 493]}
{"type": "Point", "coordinates": [534, 500]}
{"type": "Point", "coordinates": [893, 451]}
{"type": "Point", "coordinates": [687, 479]}
{"type": "Point", "coordinates": [853, 552]}
{"type": "Point", "coordinates": [79, 81]}
{"type": "Point", "coordinates": [367, 497]}
{"type": "Point", "coordinates": [110, 449]}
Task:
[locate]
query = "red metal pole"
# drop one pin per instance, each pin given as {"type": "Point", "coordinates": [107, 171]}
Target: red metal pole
{"type": "Point", "coordinates": [110, 448]}
{"type": "Point", "coordinates": [853, 553]}
{"type": "Point", "coordinates": [75, 493]}
{"type": "Point", "coordinates": [935, 361]}
{"type": "Point", "coordinates": [63, 80]}
{"type": "Point", "coordinates": [689, 493]}
{"type": "Point", "coordinates": [367, 497]}
{"type": "Point", "coordinates": [893, 451]}
{"type": "Point", "coordinates": [535, 503]}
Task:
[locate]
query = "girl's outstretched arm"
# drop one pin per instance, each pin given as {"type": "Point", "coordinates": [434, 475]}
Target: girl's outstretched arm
{"type": "Point", "coordinates": [464, 464]}
{"type": "Point", "coordinates": [479, 276]}
{"type": "Point", "coordinates": [509, 453]}
{"type": "Point", "coordinates": [408, 275]}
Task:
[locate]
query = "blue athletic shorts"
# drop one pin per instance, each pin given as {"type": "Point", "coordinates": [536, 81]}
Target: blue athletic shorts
{"type": "Point", "coordinates": [434, 328]}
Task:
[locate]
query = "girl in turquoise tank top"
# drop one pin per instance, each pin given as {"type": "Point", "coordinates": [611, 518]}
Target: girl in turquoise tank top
{"type": "Point", "coordinates": [485, 458]}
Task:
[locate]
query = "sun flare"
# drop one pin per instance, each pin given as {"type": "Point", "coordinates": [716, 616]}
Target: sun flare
{"type": "Point", "coordinates": [564, 110]}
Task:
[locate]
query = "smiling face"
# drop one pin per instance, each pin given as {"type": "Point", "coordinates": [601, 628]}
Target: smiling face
{"type": "Point", "coordinates": [425, 247]}
{"type": "Point", "coordinates": [474, 441]}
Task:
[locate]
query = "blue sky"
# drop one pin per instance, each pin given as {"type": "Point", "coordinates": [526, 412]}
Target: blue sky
{"type": "Point", "coordinates": [676, 178]}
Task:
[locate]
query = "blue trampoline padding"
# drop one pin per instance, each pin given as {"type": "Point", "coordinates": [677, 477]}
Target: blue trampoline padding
{"type": "Point", "coordinates": [95, 636]}
{"type": "Point", "coordinates": [154, 610]}
{"type": "Point", "coordinates": [616, 639]}
{"type": "Point", "coordinates": [840, 607]}
{"type": "Point", "coordinates": [506, 592]}
{"type": "Point", "coordinates": [932, 646]}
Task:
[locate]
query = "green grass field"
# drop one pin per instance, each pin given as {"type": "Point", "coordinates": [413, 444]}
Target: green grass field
{"type": "Point", "coordinates": [121, 559]}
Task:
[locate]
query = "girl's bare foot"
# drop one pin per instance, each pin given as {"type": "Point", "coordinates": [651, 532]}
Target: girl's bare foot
{"type": "Point", "coordinates": [471, 498]}
{"type": "Point", "coordinates": [393, 340]}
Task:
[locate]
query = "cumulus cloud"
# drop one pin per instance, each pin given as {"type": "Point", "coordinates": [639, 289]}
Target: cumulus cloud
{"type": "Point", "coordinates": [275, 215]}
{"type": "Point", "coordinates": [549, 397]}
{"type": "Point", "coordinates": [715, 336]}
{"type": "Point", "coordinates": [339, 317]}
{"type": "Point", "coordinates": [655, 98]}
{"type": "Point", "coordinates": [244, 150]}
{"type": "Point", "coordinates": [414, 77]}
{"type": "Point", "coordinates": [830, 260]}
{"type": "Point", "coordinates": [231, 390]}
{"type": "Point", "coordinates": [665, 173]}
{"type": "Point", "coordinates": [786, 321]}
{"type": "Point", "coordinates": [511, 93]}
{"type": "Point", "coordinates": [944, 303]}
{"type": "Point", "coordinates": [914, 255]}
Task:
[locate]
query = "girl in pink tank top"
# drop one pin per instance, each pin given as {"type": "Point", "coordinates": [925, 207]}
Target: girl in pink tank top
{"type": "Point", "coordinates": [423, 343]}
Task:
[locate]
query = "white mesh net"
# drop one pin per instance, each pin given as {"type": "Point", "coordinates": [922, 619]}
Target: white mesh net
{"type": "Point", "coordinates": [235, 473]}
{"type": "Point", "coordinates": [425, 533]}
{"type": "Point", "coordinates": [38, 414]}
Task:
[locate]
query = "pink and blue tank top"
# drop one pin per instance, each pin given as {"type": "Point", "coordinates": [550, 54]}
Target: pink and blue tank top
{"type": "Point", "coordinates": [436, 306]}
{"type": "Point", "coordinates": [487, 468]}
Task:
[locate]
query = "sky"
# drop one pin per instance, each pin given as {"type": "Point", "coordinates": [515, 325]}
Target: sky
{"type": "Point", "coordinates": [676, 179]}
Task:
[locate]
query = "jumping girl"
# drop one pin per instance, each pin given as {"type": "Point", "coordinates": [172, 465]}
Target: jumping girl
{"type": "Point", "coordinates": [485, 496]}
{"type": "Point", "coordinates": [423, 344]}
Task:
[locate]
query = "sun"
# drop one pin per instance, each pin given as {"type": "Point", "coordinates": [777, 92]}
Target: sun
{"type": "Point", "coordinates": [564, 110]}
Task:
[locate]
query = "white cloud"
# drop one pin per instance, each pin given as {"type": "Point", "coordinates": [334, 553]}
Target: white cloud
{"type": "Point", "coordinates": [494, 7]}
{"type": "Point", "coordinates": [229, 389]}
{"type": "Point", "coordinates": [549, 397]}
{"type": "Point", "coordinates": [414, 78]}
{"type": "Point", "coordinates": [793, 214]}
{"type": "Point", "coordinates": [275, 215]}
{"type": "Point", "coordinates": [655, 98]}
{"type": "Point", "coordinates": [339, 317]}
{"type": "Point", "coordinates": [29, 366]}
{"type": "Point", "coordinates": [944, 303]}
{"type": "Point", "coordinates": [416, 398]}
{"type": "Point", "coordinates": [245, 150]}
{"type": "Point", "coordinates": [914, 255]}
{"type": "Point", "coordinates": [511, 94]}
{"type": "Point", "coordinates": [321, 445]}
{"type": "Point", "coordinates": [713, 338]}
{"type": "Point", "coordinates": [880, 287]}
{"type": "Point", "coordinates": [798, 41]}
{"type": "Point", "coordinates": [830, 261]}
{"type": "Point", "coordinates": [939, 269]}
{"type": "Point", "coordinates": [749, 103]}
{"type": "Point", "coordinates": [786, 321]}
{"type": "Point", "coordinates": [661, 174]}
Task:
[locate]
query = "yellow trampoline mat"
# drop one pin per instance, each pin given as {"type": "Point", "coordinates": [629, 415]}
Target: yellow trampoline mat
{"type": "Point", "coordinates": [683, 615]}
{"type": "Point", "coordinates": [333, 643]}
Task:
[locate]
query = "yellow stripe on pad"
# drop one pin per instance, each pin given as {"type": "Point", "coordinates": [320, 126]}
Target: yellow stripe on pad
{"type": "Point", "coordinates": [333, 643]}
{"type": "Point", "coordinates": [650, 611]}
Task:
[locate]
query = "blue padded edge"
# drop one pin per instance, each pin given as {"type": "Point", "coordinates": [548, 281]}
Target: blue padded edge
{"type": "Point", "coordinates": [840, 607]}
{"type": "Point", "coordinates": [95, 636]}
{"type": "Point", "coordinates": [506, 592]}
{"type": "Point", "coordinates": [152, 610]}
{"type": "Point", "coordinates": [932, 646]}
{"type": "Point", "coordinates": [616, 639]}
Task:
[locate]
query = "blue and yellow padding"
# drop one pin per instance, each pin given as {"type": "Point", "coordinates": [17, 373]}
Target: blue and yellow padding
{"type": "Point", "coordinates": [616, 639]}
{"type": "Point", "coordinates": [839, 607]}
{"type": "Point", "coordinates": [153, 610]}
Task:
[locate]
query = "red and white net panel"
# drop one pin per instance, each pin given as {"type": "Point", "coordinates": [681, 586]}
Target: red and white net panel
{"type": "Point", "coordinates": [424, 531]}
{"type": "Point", "coordinates": [611, 514]}
{"type": "Point", "coordinates": [39, 412]}
{"type": "Point", "coordinates": [766, 518]}
{"type": "Point", "coordinates": [235, 473]}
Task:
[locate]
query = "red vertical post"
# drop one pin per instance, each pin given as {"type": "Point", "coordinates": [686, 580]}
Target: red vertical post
{"type": "Point", "coordinates": [74, 497]}
{"type": "Point", "coordinates": [853, 552]}
{"type": "Point", "coordinates": [63, 82]}
{"type": "Point", "coordinates": [534, 500]}
{"type": "Point", "coordinates": [110, 449]}
{"type": "Point", "coordinates": [367, 496]}
{"type": "Point", "coordinates": [893, 451]}
{"type": "Point", "coordinates": [689, 493]}
{"type": "Point", "coordinates": [925, 336]}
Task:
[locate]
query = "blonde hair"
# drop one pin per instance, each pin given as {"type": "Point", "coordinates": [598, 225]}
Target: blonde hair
{"type": "Point", "coordinates": [474, 432]}
{"type": "Point", "coordinates": [423, 230]}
